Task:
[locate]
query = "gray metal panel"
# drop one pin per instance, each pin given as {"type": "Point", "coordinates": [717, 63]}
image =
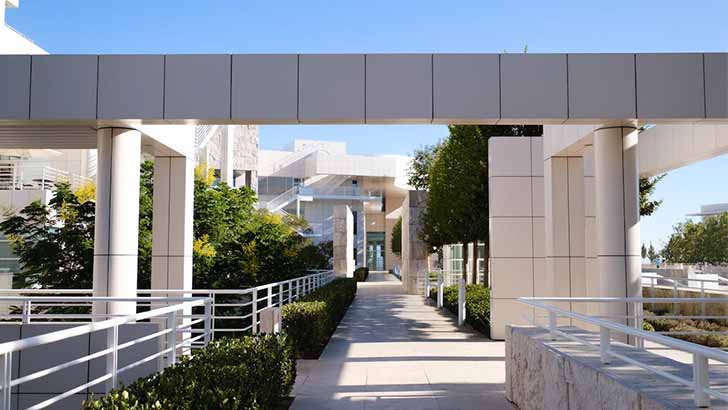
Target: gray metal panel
{"type": "Point", "coordinates": [670, 86]}
{"type": "Point", "coordinates": [14, 87]}
{"type": "Point", "coordinates": [601, 86]}
{"type": "Point", "coordinates": [63, 87]}
{"type": "Point", "coordinates": [331, 88]}
{"type": "Point", "coordinates": [197, 87]}
{"type": "Point", "coordinates": [466, 87]}
{"type": "Point", "coordinates": [716, 85]}
{"type": "Point", "coordinates": [265, 88]}
{"type": "Point", "coordinates": [399, 87]}
{"type": "Point", "coordinates": [131, 87]}
{"type": "Point", "coordinates": [533, 86]}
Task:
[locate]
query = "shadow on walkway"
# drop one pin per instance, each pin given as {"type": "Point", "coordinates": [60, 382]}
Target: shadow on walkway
{"type": "Point", "coordinates": [392, 351]}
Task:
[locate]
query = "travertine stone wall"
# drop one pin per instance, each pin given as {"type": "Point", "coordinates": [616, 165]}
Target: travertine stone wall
{"type": "Point", "coordinates": [343, 241]}
{"type": "Point", "coordinates": [414, 250]}
{"type": "Point", "coordinates": [545, 374]}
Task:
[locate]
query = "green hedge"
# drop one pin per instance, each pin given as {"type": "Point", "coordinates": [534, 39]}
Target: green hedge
{"type": "Point", "coordinates": [361, 274]}
{"type": "Point", "coordinates": [477, 305]}
{"type": "Point", "coordinates": [311, 321]}
{"type": "Point", "coordinates": [241, 373]}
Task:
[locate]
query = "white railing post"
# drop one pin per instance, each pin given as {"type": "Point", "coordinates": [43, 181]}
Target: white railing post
{"type": "Point", "coordinates": [280, 295]}
{"type": "Point", "coordinates": [552, 325]}
{"type": "Point", "coordinates": [440, 290]}
{"type": "Point", "coordinates": [270, 295]}
{"type": "Point", "coordinates": [172, 338]}
{"type": "Point", "coordinates": [6, 376]}
{"type": "Point", "coordinates": [254, 313]}
{"type": "Point", "coordinates": [700, 380]}
{"type": "Point", "coordinates": [604, 340]}
{"type": "Point", "coordinates": [208, 321]}
{"type": "Point", "coordinates": [702, 296]}
{"type": "Point", "coordinates": [427, 284]}
{"type": "Point", "coordinates": [290, 291]}
{"type": "Point", "coordinates": [26, 312]}
{"type": "Point", "coordinates": [461, 301]}
{"type": "Point", "coordinates": [112, 358]}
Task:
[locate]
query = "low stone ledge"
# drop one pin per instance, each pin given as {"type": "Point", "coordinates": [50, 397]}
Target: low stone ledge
{"type": "Point", "coordinates": [546, 374]}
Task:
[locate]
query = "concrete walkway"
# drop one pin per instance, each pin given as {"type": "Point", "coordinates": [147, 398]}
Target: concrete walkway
{"type": "Point", "coordinates": [392, 351]}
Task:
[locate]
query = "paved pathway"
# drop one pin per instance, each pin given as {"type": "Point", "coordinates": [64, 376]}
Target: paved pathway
{"type": "Point", "coordinates": [392, 351]}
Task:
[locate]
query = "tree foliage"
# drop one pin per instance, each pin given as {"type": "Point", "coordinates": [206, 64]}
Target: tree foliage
{"type": "Point", "coordinates": [397, 237]}
{"type": "Point", "coordinates": [647, 187]}
{"type": "Point", "coordinates": [55, 243]}
{"type": "Point", "coordinates": [457, 202]}
{"type": "Point", "coordinates": [234, 246]}
{"type": "Point", "coordinates": [699, 242]}
{"type": "Point", "coordinates": [418, 174]}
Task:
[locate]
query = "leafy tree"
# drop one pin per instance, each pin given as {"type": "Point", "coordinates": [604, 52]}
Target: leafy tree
{"type": "Point", "coordinates": [418, 174]}
{"type": "Point", "coordinates": [54, 243]}
{"type": "Point", "coordinates": [644, 251]}
{"type": "Point", "coordinates": [234, 246]}
{"type": "Point", "coordinates": [699, 242]}
{"type": "Point", "coordinates": [397, 237]}
{"type": "Point", "coordinates": [647, 188]}
{"type": "Point", "coordinates": [457, 203]}
{"type": "Point", "coordinates": [651, 254]}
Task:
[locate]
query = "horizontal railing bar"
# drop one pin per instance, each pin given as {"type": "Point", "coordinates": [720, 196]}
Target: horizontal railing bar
{"type": "Point", "coordinates": [91, 327]}
{"type": "Point", "coordinates": [631, 331]}
{"type": "Point", "coordinates": [636, 300]}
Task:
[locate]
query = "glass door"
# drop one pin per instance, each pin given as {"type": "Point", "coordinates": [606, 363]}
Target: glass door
{"type": "Point", "coordinates": [375, 251]}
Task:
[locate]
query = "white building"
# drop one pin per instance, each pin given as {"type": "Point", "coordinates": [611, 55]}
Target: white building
{"type": "Point", "coordinates": [311, 178]}
{"type": "Point", "coordinates": [711, 210]}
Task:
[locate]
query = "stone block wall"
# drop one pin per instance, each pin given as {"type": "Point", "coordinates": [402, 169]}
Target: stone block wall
{"type": "Point", "coordinates": [414, 250]}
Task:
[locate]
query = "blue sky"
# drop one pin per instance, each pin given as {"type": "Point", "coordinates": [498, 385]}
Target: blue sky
{"type": "Point", "coordinates": [240, 26]}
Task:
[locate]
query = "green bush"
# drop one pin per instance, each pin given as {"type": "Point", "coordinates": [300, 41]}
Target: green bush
{"type": "Point", "coordinates": [311, 321]}
{"type": "Point", "coordinates": [477, 305]}
{"type": "Point", "coordinates": [241, 373]}
{"type": "Point", "coordinates": [361, 274]}
{"type": "Point", "coordinates": [691, 325]}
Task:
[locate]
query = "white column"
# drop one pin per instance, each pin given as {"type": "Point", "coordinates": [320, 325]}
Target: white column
{"type": "Point", "coordinates": [227, 164]}
{"type": "Point", "coordinates": [172, 223]}
{"type": "Point", "coordinates": [116, 236]}
{"type": "Point", "coordinates": [617, 203]}
{"type": "Point", "coordinates": [564, 227]}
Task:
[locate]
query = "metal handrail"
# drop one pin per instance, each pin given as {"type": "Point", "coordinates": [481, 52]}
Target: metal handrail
{"type": "Point", "coordinates": [250, 300]}
{"type": "Point", "coordinates": [701, 378]}
{"type": "Point", "coordinates": [173, 318]}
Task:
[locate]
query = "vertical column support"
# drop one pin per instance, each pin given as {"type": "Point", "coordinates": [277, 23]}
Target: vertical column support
{"type": "Point", "coordinates": [618, 220]}
{"type": "Point", "coordinates": [564, 227]}
{"type": "Point", "coordinates": [116, 236]}
{"type": "Point", "coordinates": [227, 165]}
{"type": "Point", "coordinates": [461, 301]}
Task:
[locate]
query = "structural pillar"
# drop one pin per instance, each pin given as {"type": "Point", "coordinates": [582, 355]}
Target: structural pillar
{"type": "Point", "coordinates": [564, 228]}
{"type": "Point", "coordinates": [172, 223]}
{"type": "Point", "coordinates": [227, 165]}
{"type": "Point", "coordinates": [618, 220]}
{"type": "Point", "coordinates": [343, 241]}
{"type": "Point", "coordinates": [116, 235]}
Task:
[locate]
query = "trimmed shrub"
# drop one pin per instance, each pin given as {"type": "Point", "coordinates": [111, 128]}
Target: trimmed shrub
{"type": "Point", "coordinates": [477, 305]}
{"type": "Point", "coordinates": [311, 321]}
{"type": "Point", "coordinates": [691, 325]}
{"type": "Point", "coordinates": [361, 274]}
{"type": "Point", "coordinates": [237, 373]}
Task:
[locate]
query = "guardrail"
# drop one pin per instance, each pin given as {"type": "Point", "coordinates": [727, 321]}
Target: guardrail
{"type": "Point", "coordinates": [172, 321]}
{"type": "Point", "coordinates": [233, 310]}
{"type": "Point", "coordinates": [700, 383]}
{"type": "Point", "coordinates": [26, 174]}
{"type": "Point", "coordinates": [440, 298]}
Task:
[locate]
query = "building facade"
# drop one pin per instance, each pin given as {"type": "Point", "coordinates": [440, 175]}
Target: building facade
{"type": "Point", "coordinates": [310, 179]}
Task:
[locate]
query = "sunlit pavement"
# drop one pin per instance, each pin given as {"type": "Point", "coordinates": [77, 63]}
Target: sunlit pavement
{"type": "Point", "coordinates": [392, 351]}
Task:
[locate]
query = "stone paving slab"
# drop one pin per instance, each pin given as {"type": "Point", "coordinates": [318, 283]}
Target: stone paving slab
{"type": "Point", "coordinates": [392, 351]}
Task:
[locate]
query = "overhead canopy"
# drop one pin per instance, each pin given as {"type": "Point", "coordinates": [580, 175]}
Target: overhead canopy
{"type": "Point", "coordinates": [364, 88]}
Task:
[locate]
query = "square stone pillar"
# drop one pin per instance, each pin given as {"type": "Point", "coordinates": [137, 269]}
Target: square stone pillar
{"type": "Point", "coordinates": [172, 223]}
{"type": "Point", "coordinates": [564, 226]}
{"type": "Point", "coordinates": [343, 241]}
{"type": "Point", "coordinates": [414, 250]}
